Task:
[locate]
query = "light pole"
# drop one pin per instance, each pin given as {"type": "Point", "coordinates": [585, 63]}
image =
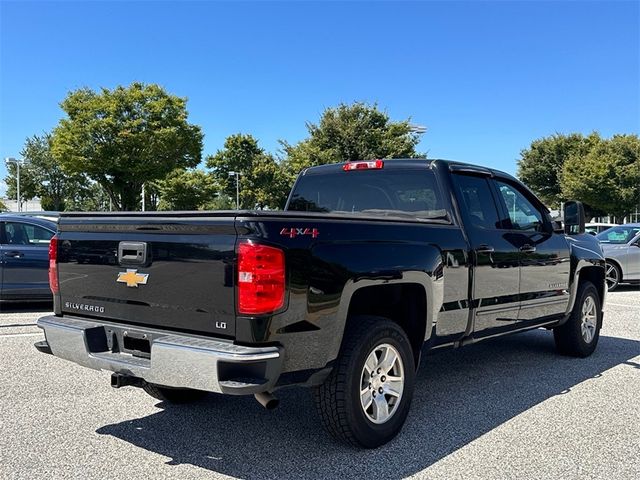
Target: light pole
{"type": "Point", "coordinates": [17, 162]}
{"type": "Point", "coordinates": [237, 175]}
{"type": "Point", "coordinates": [419, 129]}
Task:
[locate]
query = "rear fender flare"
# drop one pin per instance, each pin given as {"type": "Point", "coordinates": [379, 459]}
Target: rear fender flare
{"type": "Point", "coordinates": [434, 298]}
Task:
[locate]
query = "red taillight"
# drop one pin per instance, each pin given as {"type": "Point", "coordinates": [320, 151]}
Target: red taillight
{"type": "Point", "coordinates": [261, 285]}
{"type": "Point", "coordinates": [372, 165]}
{"type": "Point", "coordinates": [53, 265]}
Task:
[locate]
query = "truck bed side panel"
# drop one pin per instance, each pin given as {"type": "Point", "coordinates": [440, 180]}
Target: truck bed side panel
{"type": "Point", "coordinates": [324, 272]}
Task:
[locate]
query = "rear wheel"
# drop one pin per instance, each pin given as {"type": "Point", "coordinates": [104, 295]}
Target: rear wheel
{"type": "Point", "coordinates": [366, 398]}
{"type": "Point", "coordinates": [578, 337]}
{"type": "Point", "coordinates": [612, 276]}
{"type": "Point", "coordinates": [173, 395]}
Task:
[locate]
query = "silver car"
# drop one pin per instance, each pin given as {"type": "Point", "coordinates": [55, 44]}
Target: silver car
{"type": "Point", "coordinates": [621, 247]}
{"type": "Point", "coordinates": [596, 227]}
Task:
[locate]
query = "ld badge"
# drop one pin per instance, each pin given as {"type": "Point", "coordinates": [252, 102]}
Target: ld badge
{"type": "Point", "coordinates": [132, 278]}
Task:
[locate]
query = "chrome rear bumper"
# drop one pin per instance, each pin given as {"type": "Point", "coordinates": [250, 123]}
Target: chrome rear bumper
{"type": "Point", "coordinates": [175, 360]}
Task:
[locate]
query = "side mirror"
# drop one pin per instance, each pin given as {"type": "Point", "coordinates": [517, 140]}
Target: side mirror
{"type": "Point", "coordinates": [573, 218]}
{"type": "Point", "coordinates": [557, 226]}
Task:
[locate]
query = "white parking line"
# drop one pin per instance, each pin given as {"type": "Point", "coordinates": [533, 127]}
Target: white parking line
{"type": "Point", "coordinates": [20, 334]}
{"type": "Point", "coordinates": [621, 305]}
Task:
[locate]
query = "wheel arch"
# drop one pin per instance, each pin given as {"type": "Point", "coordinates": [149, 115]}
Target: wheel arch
{"type": "Point", "coordinates": [587, 263]}
{"type": "Point", "coordinates": [595, 275]}
{"type": "Point", "coordinates": [407, 301]}
{"type": "Point", "coordinates": [404, 303]}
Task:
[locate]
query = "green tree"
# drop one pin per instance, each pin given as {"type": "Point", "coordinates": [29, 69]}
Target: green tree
{"type": "Point", "coordinates": [541, 165]}
{"type": "Point", "coordinates": [358, 131]}
{"type": "Point", "coordinates": [42, 176]}
{"type": "Point", "coordinates": [92, 198]}
{"type": "Point", "coordinates": [125, 137]}
{"type": "Point", "coordinates": [261, 180]}
{"type": "Point", "coordinates": [185, 190]}
{"type": "Point", "coordinates": [3, 207]}
{"type": "Point", "coordinates": [152, 195]}
{"type": "Point", "coordinates": [220, 202]}
{"type": "Point", "coordinates": [268, 185]}
{"type": "Point", "coordinates": [607, 177]}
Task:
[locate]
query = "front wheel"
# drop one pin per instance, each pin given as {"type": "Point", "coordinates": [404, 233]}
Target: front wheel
{"type": "Point", "coordinates": [366, 398]}
{"type": "Point", "coordinates": [578, 337]}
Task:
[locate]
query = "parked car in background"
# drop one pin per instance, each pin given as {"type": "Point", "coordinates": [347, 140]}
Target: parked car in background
{"type": "Point", "coordinates": [596, 227]}
{"type": "Point", "coordinates": [24, 257]}
{"type": "Point", "coordinates": [621, 248]}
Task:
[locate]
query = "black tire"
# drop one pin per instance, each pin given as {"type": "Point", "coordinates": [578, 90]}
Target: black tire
{"type": "Point", "coordinates": [569, 337]}
{"type": "Point", "coordinates": [173, 395]}
{"type": "Point", "coordinates": [337, 400]}
{"type": "Point", "coordinates": [613, 275]}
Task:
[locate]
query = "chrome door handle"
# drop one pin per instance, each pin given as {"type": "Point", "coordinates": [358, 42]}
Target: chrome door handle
{"type": "Point", "coordinates": [14, 254]}
{"type": "Point", "coordinates": [485, 249]}
{"type": "Point", "coordinates": [527, 249]}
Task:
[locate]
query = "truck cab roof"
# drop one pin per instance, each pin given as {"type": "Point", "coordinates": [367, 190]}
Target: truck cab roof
{"type": "Point", "coordinates": [405, 163]}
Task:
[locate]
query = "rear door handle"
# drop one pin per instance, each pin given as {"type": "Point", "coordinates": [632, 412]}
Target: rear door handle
{"type": "Point", "coordinates": [485, 249]}
{"type": "Point", "coordinates": [527, 248]}
{"type": "Point", "coordinates": [14, 254]}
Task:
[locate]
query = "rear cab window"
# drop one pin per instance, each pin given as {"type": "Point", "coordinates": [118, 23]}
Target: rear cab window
{"type": "Point", "coordinates": [478, 207]}
{"type": "Point", "coordinates": [407, 192]}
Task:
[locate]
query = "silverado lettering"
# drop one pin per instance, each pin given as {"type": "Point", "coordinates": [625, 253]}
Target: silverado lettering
{"type": "Point", "coordinates": [83, 307]}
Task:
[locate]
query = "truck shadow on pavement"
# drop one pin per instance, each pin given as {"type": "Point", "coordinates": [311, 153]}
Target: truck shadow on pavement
{"type": "Point", "coordinates": [459, 396]}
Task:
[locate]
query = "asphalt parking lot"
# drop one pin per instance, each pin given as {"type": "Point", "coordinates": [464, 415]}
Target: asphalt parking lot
{"type": "Point", "coordinates": [508, 408]}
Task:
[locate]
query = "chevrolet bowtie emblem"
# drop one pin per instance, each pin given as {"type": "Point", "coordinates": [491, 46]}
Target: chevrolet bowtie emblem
{"type": "Point", "coordinates": [132, 278]}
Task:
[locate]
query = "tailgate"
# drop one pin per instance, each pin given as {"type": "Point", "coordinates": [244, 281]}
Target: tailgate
{"type": "Point", "coordinates": [150, 270]}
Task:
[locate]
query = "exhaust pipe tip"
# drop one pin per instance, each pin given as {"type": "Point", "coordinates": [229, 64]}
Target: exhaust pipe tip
{"type": "Point", "coordinates": [267, 400]}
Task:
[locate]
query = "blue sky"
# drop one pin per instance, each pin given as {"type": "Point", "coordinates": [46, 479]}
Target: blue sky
{"type": "Point", "coordinates": [486, 78]}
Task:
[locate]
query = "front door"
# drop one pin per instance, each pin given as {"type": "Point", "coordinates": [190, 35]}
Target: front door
{"type": "Point", "coordinates": [544, 255]}
{"type": "Point", "coordinates": [496, 275]}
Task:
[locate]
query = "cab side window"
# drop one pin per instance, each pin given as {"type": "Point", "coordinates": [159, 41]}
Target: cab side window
{"type": "Point", "coordinates": [476, 202]}
{"type": "Point", "coordinates": [523, 215]}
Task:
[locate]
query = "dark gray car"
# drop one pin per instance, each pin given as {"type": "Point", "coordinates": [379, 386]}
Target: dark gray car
{"type": "Point", "coordinates": [24, 257]}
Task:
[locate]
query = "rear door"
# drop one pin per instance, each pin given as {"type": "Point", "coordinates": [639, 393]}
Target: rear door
{"type": "Point", "coordinates": [544, 255]}
{"type": "Point", "coordinates": [24, 253]}
{"type": "Point", "coordinates": [496, 259]}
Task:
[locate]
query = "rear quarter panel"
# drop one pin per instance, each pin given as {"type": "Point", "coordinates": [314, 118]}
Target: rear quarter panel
{"type": "Point", "coordinates": [325, 272]}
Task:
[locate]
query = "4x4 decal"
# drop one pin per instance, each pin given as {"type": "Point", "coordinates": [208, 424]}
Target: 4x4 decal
{"type": "Point", "coordinates": [294, 232]}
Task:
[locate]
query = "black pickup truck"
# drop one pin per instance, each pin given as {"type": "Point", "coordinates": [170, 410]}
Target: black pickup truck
{"type": "Point", "coordinates": [370, 264]}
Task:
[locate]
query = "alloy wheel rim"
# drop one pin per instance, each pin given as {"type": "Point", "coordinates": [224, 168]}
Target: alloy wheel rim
{"type": "Point", "coordinates": [589, 319]}
{"type": "Point", "coordinates": [381, 383]}
{"type": "Point", "coordinates": [611, 276]}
